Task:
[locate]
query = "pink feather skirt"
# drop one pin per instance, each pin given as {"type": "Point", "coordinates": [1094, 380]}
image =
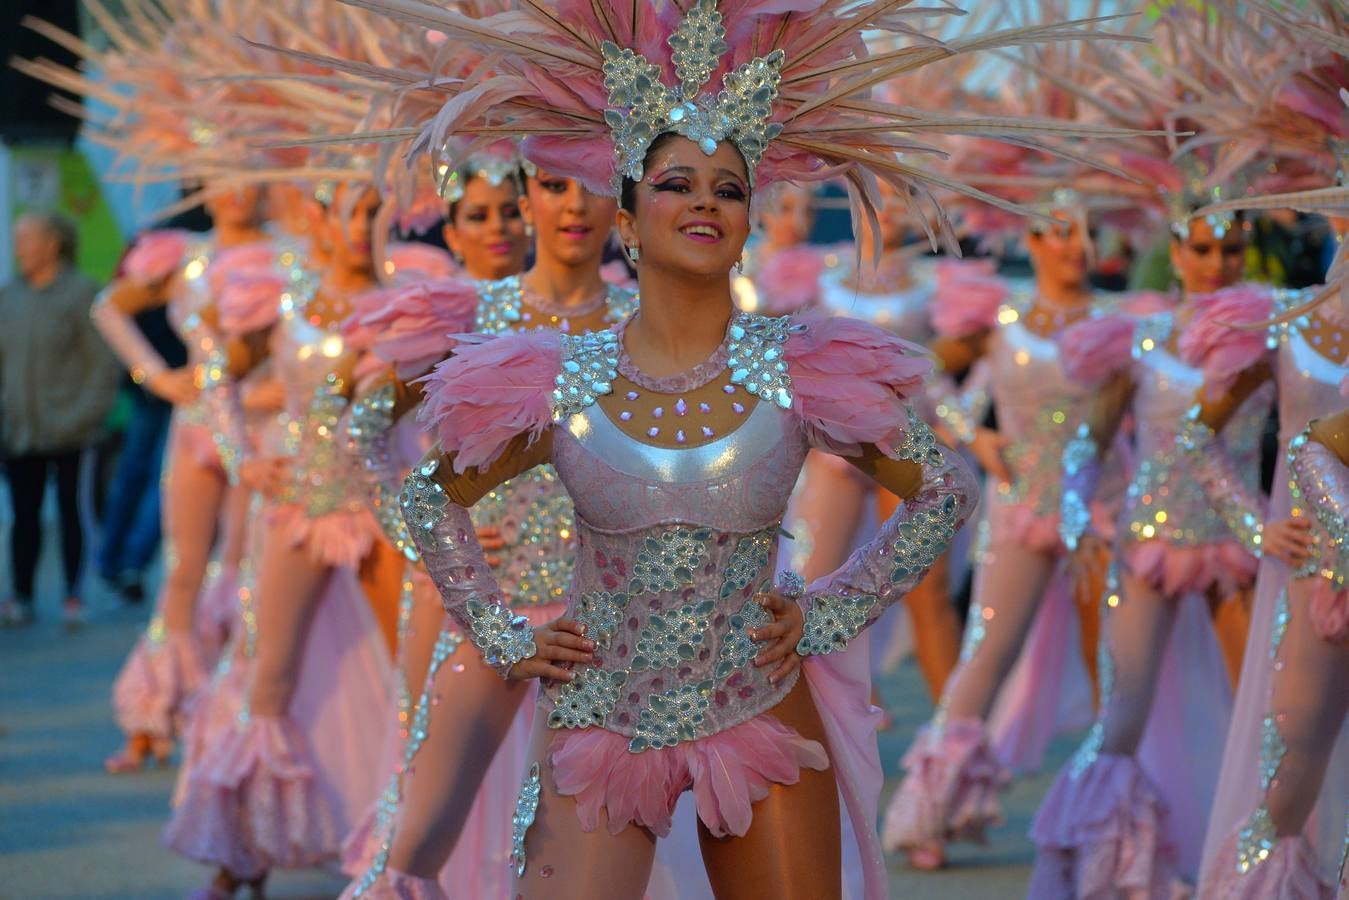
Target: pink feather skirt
{"type": "Point", "coordinates": [727, 772]}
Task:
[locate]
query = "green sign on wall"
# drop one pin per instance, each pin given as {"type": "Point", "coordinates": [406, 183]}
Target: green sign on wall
{"type": "Point", "coordinates": [60, 178]}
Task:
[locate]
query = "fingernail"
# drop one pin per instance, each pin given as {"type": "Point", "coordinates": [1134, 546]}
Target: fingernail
{"type": "Point", "coordinates": [590, 645]}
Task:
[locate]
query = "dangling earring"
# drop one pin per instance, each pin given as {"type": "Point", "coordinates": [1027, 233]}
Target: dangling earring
{"type": "Point", "coordinates": [634, 254]}
{"type": "Point", "coordinates": [529, 229]}
{"type": "Point", "coordinates": [740, 266]}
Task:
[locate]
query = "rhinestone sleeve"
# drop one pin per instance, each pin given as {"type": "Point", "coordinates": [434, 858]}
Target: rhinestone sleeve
{"type": "Point", "coordinates": [220, 399]}
{"type": "Point", "coordinates": [444, 536]}
{"type": "Point", "coordinates": [1321, 481]}
{"type": "Point", "coordinates": [841, 604]}
{"type": "Point", "coordinates": [369, 433]}
{"type": "Point", "coordinates": [1081, 473]}
{"type": "Point", "coordinates": [1239, 506]}
{"type": "Point", "coordinates": [961, 409]}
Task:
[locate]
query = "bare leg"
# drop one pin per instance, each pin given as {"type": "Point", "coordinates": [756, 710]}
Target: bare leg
{"type": "Point", "coordinates": [419, 640]}
{"type": "Point", "coordinates": [1137, 631]}
{"type": "Point", "coordinates": [467, 725]}
{"type": "Point", "coordinates": [792, 850]}
{"type": "Point", "coordinates": [1309, 704]}
{"type": "Point", "coordinates": [289, 589]}
{"type": "Point", "coordinates": [828, 512]}
{"type": "Point", "coordinates": [234, 530]}
{"type": "Point", "coordinates": [1231, 622]}
{"type": "Point", "coordinates": [1007, 591]}
{"type": "Point", "coordinates": [193, 497]}
{"type": "Point", "coordinates": [566, 863]}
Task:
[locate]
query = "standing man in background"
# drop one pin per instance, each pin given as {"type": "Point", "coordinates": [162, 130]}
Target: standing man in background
{"type": "Point", "coordinates": [57, 381]}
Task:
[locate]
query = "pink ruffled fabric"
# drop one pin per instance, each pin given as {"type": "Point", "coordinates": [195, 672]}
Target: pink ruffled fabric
{"type": "Point", "coordinates": [492, 389]}
{"type": "Point", "coordinates": [156, 256]}
{"type": "Point", "coordinates": [249, 301]}
{"type": "Point", "coordinates": [394, 885]}
{"type": "Point", "coordinates": [246, 259]}
{"type": "Point", "coordinates": [728, 772]}
{"type": "Point", "coordinates": [1095, 349]}
{"type": "Point", "coordinates": [217, 613]}
{"type": "Point", "coordinates": [950, 788]}
{"type": "Point", "coordinates": [967, 298]}
{"type": "Point", "coordinates": [1175, 570]}
{"type": "Point", "coordinates": [415, 261]}
{"type": "Point", "coordinates": [1330, 611]}
{"type": "Point", "coordinates": [214, 713]}
{"type": "Point", "coordinates": [851, 380]}
{"type": "Point", "coordinates": [157, 681]}
{"type": "Point", "coordinates": [334, 539]}
{"type": "Point", "coordinates": [789, 281]}
{"type": "Point", "coordinates": [254, 804]}
{"type": "Point", "coordinates": [1100, 836]}
{"type": "Point", "coordinates": [412, 327]}
{"type": "Point", "coordinates": [1289, 873]}
{"type": "Point", "coordinates": [1212, 343]}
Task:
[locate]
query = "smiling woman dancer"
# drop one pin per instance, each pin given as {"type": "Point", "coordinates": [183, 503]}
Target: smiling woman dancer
{"type": "Point", "coordinates": [679, 437]}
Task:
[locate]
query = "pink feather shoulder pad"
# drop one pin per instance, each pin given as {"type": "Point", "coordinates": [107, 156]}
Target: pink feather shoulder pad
{"type": "Point", "coordinates": [851, 382]}
{"type": "Point", "coordinates": [411, 325]}
{"type": "Point", "coordinates": [156, 255]}
{"type": "Point", "coordinates": [1214, 339]}
{"type": "Point", "coordinates": [966, 298]}
{"type": "Point", "coordinates": [492, 389]}
{"type": "Point", "coordinates": [1095, 349]}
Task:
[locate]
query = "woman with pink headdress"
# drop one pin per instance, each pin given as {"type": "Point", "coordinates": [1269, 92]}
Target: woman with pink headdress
{"type": "Point", "coordinates": [679, 436]}
{"type": "Point", "coordinates": [443, 822]}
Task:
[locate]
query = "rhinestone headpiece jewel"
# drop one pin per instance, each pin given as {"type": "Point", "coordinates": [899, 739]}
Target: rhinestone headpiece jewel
{"type": "Point", "coordinates": [643, 108]}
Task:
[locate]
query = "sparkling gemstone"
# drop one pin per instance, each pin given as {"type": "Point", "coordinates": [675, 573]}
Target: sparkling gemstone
{"type": "Point", "coordinates": [658, 411]}
{"type": "Point", "coordinates": [739, 408]}
{"type": "Point", "coordinates": [728, 389]}
{"type": "Point", "coordinates": [632, 395]}
{"type": "Point", "coordinates": [681, 408]}
{"type": "Point", "coordinates": [707, 432]}
{"type": "Point", "coordinates": [679, 436]}
{"type": "Point", "coordinates": [704, 408]}
{"type": "Point", "coordinates": [653, 431]}
{"type": "Point", "coordinates": [625, 415]}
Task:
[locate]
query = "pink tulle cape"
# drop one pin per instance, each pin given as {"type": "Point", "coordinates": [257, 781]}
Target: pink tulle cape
{"type": "Point", "coordinates": [851, 381]}
{"type": "Point", "coordinates": [727, 772]}
{"type": "Point", "coordinates": [1095, 349]}
{"type": "Point", "coordinates": [156, 255]}
{"type": "Point", "coordinates": [1213, 343]}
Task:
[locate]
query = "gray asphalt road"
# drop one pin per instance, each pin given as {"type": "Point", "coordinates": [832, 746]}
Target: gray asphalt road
{"type": "Point", "coordinates": [69, 831]}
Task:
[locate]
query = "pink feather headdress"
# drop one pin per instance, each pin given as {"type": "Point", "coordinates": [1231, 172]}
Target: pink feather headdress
{"type": "Point", "coordinates": [587, 84]}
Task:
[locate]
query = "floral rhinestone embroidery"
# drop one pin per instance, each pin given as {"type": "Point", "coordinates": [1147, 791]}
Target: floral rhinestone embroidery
{"type": "Point", "coordinates": [756, 361]}
{"type": "Point", "coordinates": [748, 561]}
{"type": "Point", "coordinates": [589, 367]}
{"type": "Point", "coordinates": [923, 538]}
{"type": "Point", "coordinates": [422, 499]}
{"type": "Point", "coordinates": [667, 562]}
{"type": "Point", "coordinates": [671, 717]}
{"type": "Point", "coordinates": [587, 701]}
{"type": "Point", "coordinates": [504, 639]}
{"type": "Point", "coordinates": [673, 636]}
{"type": "Point", "coordinates": [920, 442]}
{"type": "Point", "coordinates": [499, 305]}
{"type": "Point", "coordinates": [832, 621]}
{"type": "Point", "coordinates": [1255, 841]}
{"type": "Point", "coordinates": [526, 807]}
{"type": "Point", "coordinates": [738, 648]}
{"type": "Point", "coordinates": [601, 612]}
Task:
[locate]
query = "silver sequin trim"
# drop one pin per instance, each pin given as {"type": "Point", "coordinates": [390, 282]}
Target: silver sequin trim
{"type": "Point", "coordinates": [671, 717]}
{"type": "Point", "coordinates": [923, 538]}
{"type": "Point", "coordinates": [672, 637]}
{"type": "Point", "coordinates": [422, 499]}
{"type": "Point", "coordinates": [667, 561]}
{"type": "Point", "coordinates": [587, 700]}
{"type": "Point", "coordinates": [737, 649]}
{"type": "Point", "coordinates": [526, 807]}
{"type": "Point", "coordinates": [755, 356]}
{"type": "Point", "coordinates": [589, 367]}
{"type": "Point", "coordinates": [832, 621]}
{"type": "Point", "coordinates": [601, 612]}
{"type": "Point", "coordinates": [504, 639]}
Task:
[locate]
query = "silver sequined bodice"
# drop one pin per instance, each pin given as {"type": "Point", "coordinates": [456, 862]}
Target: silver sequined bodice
{"type": "Point", "coordinates": [904, 313]}
{"type": "Point", "coordinates": [1164, 500]}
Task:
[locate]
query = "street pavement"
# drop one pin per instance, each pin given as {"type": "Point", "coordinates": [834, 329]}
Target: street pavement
{"type": "Point", "coordinates": [70, 832]}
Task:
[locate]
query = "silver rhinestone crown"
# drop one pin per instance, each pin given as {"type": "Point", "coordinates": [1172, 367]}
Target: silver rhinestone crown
{"type": "Point", "coordinates": [643, 108]}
